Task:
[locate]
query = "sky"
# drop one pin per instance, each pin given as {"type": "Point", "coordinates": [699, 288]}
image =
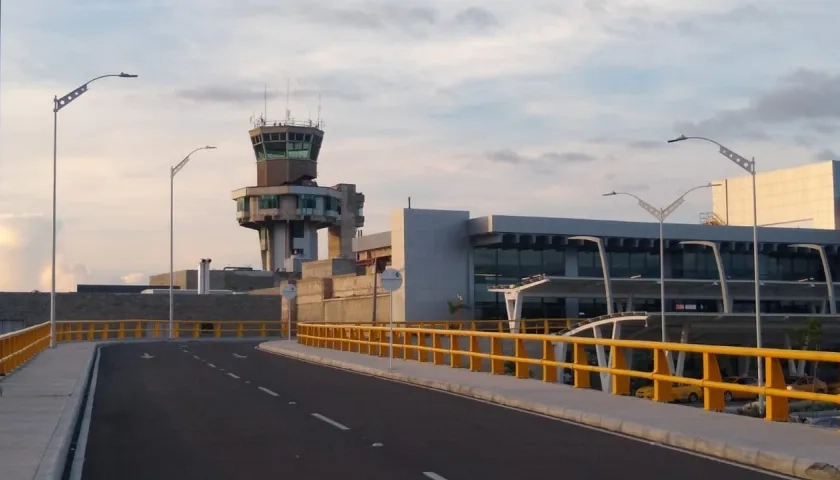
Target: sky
{"type": "Point", "coordinates": [532, 107]}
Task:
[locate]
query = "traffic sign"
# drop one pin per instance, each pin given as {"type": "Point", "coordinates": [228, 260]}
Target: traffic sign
{"type": "Point", "coordinates": [391, 280]}
{"type": "Point", "coordinates": [289, 291]}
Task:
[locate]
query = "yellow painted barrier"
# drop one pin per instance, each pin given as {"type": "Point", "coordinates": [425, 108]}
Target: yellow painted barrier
{"type": "Point", "coordinates": [535, 326]}
{"type": "Point", "coordinates": [373, 340]}
{"type": "Point", "coordinates": [16, 348]}
{"type": "Point", "coordinates": [86, 330]}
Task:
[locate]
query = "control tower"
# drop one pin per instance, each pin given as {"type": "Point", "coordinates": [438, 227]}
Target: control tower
{"type": "Point", "coordinates": [287, 207]}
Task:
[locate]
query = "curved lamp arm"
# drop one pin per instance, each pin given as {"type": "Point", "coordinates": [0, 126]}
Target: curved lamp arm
{"type": "Point", "coordinates": [679, 201]}
{"type": "Point", "coordinates": [183, 163]}
{"type": "Point", "coordinates": [744, 163]}
{"type": "Point", "coordinates": [657, 213]}
{"type": "Point", "coordinates": [59, 103]}
{"type": "Point", "coordinates": [661, 213]}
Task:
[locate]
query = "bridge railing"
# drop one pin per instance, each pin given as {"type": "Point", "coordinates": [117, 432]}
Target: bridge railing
{"type": "Point", "coordinates": [16, 348]}
{"type": "Point", "coordinates": [90, 330]}
{"type": "Point", "coordinates": [483, 351]}
{"type": "Point", "coordinates": [533, 325]}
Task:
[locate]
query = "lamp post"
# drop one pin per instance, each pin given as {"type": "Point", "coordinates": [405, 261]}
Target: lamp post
{"type": "Point", "coordinates": [660, 214]}
{"type": "Point", "coordinates": [747, 165]}
{"type": "Point", "coordinates": [58, 104]}
{"type": "Point", "coordinates": [172, 172]}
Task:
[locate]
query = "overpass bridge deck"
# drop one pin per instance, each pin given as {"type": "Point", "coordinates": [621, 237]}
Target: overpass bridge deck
{"type": "Point", "coordinates": [453, 438]}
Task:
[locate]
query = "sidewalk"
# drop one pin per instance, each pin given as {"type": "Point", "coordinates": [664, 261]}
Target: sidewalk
{"type": "Point", "coordinates": [793, 449]}
{"type": "Point", "coordinates": [38, 409]}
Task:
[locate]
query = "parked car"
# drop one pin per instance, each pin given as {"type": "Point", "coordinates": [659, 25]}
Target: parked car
{"type": "Point", "coordinates": [826, 422]}
{"type": "Point", "coordinates": [728, 396]}
{"type": "Point", "coordinates": [806, 383]}
{"type": "Point", "coordinates": [681, 393]}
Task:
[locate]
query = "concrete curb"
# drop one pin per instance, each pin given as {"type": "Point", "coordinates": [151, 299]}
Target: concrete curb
{"type": "Point", "coordinates": [765, 460]}
{"type": "Point", "coordinates": [55, 457]}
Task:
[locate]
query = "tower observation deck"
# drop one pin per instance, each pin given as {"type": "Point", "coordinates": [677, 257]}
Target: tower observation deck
{"type": "Point", "coordinates": [287, 207]}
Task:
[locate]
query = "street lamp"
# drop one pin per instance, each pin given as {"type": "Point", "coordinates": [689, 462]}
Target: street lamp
{"type": "Point", "coordinates": [749, 167]}
{"type": "Point", "coordinates": [660, 214]}
{"type": "Point", "coordinates": [172, 172]}
{"type": "Point", "coordinates": [58, 104]}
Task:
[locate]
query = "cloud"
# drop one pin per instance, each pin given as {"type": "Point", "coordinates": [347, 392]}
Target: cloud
{"type": "Point", "coordinates": [568, 157]}
{"type": "Point", "coordinates": [476, 17]}
{"type": "Point", "coordinates": [543, 163]}
{"type": "Point", "coordinates": [734, 18]}
{"type": "Point", "coordinates": [633, 144]}
{"type": "Point", "coordinates": [372, 16]}
{"type": "Point", "coordinates": [25, 255]}
{"type": "Point", "coordinates": [24, 250]}
{"type": "Point", "coordinates": [67, 276]}
{"type": "Point", "coordinates": [225, 94]}
{"type": "Point", "coordinates": [136, 278]}
{"type": "Point", "coordinates": [412, 93]}
{"type": "Point", "coordinates": [804, 95]}
{"type": "Point", "coordinates": [321, 87]}
{"type": "Point", "coordinates": [826, 154]}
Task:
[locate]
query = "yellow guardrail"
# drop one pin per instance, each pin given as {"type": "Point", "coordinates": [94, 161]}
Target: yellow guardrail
{"type": "Point", "coordinates": [373, 340]}
{"type": "Point", "coordinates": [89, 330]}
{"type": "Point", "coordinates": [16, 348]}
{"type": "Point", "coordinates": [540, 325]}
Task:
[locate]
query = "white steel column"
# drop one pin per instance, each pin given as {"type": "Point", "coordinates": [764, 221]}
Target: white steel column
{"type": "Point", "coordinates": [686, 329]}
{"type": "Point", "coordinates": [724, 286]}
{"type": "Point", "coordinates": [605, 267]}
{"type": "Point", "coordinates": [601, 355]}
{"type": "Point", "coordinates": [792, 368]}
{"type": "Point", "coordinates": [829, 282]}
{"type": "Point", "coordinates": [513, 306]}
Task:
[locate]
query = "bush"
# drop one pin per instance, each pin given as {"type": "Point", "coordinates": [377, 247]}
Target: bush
{"type": "Point", "coordinates": [751, 409]}
{"type": "Point", "coordinates": [510, 368]}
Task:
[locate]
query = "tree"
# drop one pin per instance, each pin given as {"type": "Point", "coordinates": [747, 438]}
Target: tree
{"type": "Point", "coordinates": [455, 308]}
{"type": "Point", "coordinates": [809, 337]}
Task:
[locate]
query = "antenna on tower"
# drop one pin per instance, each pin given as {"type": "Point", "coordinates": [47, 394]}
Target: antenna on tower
{"type": "Point", "coordinates": [288, 113]}
{"type": "Point", "coordinates": [265, 101]}
{"type": "Point", "coordinates": [318, 120]}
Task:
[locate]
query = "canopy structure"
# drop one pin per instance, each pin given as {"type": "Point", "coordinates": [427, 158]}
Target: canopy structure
{"type": "Point", "coordinates": [626, 289]}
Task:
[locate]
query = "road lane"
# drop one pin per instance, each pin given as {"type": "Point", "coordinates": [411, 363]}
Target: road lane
{"type": "Point", "coordinates": [459, 438]}
{"type": "Point", "coordinates": [172, 417]}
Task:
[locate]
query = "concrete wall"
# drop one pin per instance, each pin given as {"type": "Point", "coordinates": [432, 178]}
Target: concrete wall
{"type": "Point", "coordinates": [432, 250]}
{"type": "Point", "coordinates": [344, 299]}
{"type": "Point", "coordinates": [796, 197]}
{"type": "Point", "coordinates": [34, 308]}
{"type": "Point", "coordinates": [328, 268]}
{"type": "Point", "coordinates": [356, 309]}
{"type": "Point", "coordinates": [237, 281]}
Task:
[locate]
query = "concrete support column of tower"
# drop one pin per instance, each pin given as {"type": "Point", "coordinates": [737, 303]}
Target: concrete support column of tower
{"type": "Point", "coordinates": [199, 284]}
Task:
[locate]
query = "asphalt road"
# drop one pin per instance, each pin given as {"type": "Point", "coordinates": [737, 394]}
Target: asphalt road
{"type": "Point", "coordinates": [227, 411]}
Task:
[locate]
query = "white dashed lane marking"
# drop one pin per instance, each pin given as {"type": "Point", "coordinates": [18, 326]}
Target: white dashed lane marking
{"type": "Point", "coordinates": [330, 421]}
{"type": "Point", "coordinates": [269, 392]}
{"type": "Point", "coordinates": [433, 476]}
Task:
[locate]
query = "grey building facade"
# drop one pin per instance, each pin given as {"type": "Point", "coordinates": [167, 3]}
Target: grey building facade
{"type": "Point", "coordinates": [444, 254]}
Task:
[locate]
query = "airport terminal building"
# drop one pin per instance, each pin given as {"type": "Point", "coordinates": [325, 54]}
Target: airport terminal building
{"type": "Point", "coordinates": [506, 267]}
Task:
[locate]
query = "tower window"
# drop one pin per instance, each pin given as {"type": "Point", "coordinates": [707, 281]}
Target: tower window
{"type": "Point", "coordinates": [275, 150]}
{"type": "Point", "coordinates": [268, 201]}
{"type": "Point", "coordinates": [259, 152]}
{"type": "Point", "coordinates": [297, 229]}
